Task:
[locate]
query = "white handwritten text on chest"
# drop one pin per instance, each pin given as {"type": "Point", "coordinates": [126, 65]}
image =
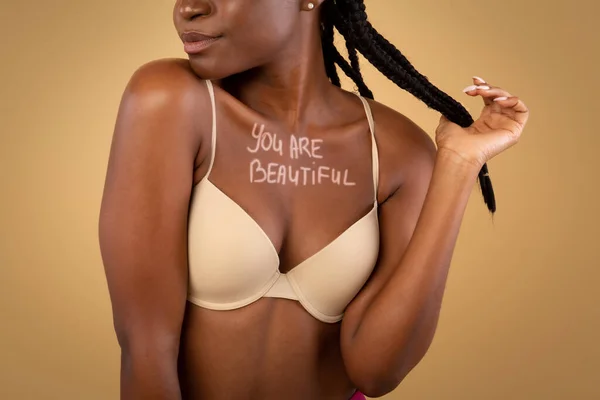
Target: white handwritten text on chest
{"type": "Point", "coordinates": [298, 148]}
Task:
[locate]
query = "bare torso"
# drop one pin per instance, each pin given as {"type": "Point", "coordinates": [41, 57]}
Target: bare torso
{"type": "Point", "coordinates": [261, 352]}
{"type": "Point", "coordinates": [273, 348]}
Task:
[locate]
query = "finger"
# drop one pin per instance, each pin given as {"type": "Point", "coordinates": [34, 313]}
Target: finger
{"type": "Point", "coordinates": [479, 81]}
{"type": "Point", "coordinates": [488, 95]}
{"type": "Point", "coordinates": [487, 92]}
{"type": "Point", "coordinates": [521, 112]}
{"type": "Point", "coordinates": [475, 90]}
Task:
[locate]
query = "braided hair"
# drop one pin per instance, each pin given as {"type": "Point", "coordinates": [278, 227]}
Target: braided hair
{"type": "Point", "coordinates": [349, 18]}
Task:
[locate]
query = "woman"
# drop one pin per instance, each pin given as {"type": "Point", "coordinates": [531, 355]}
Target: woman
{"type": "Point", "coordinates": [268, 235]}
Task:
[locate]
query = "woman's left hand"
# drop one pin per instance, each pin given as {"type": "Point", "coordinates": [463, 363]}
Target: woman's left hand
{"type": "Point", "coordinates": [499, 126]}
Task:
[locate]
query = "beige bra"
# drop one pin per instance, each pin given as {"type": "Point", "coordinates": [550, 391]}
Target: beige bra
{"type": "Point", "coordinates": [233, 263]}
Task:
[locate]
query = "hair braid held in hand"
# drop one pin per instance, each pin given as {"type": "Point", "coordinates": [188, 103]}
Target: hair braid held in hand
{"type": "Point", "coordinates": [349, 18]}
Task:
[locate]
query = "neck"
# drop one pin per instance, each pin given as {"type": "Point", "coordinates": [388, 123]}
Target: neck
{"type": "Point", "coordinates": [290, 87]}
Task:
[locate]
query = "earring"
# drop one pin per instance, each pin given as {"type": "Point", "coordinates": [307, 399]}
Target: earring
{"type": "Point", "coordinates": [311, 5]}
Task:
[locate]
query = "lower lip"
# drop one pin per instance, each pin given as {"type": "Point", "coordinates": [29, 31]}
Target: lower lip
{"type": "Point", "coordinates": [197, 47]}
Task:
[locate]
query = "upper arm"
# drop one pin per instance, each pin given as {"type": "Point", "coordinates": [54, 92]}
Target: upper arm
{"type": "Point", "coordinates": [408, 154]}
{"type": "Point", "coordinates": [143, 216]}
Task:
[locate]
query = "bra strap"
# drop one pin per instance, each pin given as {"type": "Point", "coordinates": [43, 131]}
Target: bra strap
{"type": "Point", "coordinates": [211, 93]}
{"type": "Point", "coordinates": [374, 151]}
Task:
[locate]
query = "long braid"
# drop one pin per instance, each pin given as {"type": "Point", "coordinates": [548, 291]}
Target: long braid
{"type": "Point", "coordinates": [328, 50]}
{"type": "Point", "coordinates": [350, 19]}
{"type": "Point", "coordinates": [353, 56]}
{"type": "Point", "coordinates": [332, 57]}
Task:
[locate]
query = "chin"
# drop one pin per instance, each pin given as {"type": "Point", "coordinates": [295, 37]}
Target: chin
{"type": "Point", "coordinates": [218, 65]}
{"type": "Point", "coordinates": [208, 68]}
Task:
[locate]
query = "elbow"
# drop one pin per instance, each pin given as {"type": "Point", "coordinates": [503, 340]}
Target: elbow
{"type": "Point", "coordinates": [377, 382]}
{"type": "Point", "coordinates": [379, 386]}
{"type": "Point", "coordinates": [378, 378]}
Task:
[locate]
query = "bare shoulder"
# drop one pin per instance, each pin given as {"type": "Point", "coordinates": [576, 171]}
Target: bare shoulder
{"type": "Point", "coordinates": [406, 151]}
{"type": "Point", "coordinates": [167, 82]}
{"type": "Point", "coordinates": [166, 96]}
{"type": "Point", "coordinates": [166, 76]}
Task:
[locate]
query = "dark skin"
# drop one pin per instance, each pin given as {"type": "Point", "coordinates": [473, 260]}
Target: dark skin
{"type": "Point", "coordinates": [267, 66]}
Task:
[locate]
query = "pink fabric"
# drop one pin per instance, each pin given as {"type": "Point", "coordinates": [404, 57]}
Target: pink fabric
{"type": "Point", "coordinates": [358, 396]}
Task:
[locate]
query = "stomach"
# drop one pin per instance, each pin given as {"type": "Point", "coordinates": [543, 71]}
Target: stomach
{"type": "Point", "coordinates": [269, 350]}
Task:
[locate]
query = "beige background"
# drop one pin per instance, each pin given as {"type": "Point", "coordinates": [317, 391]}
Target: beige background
{"type": "Point", "coordinates": [521, 318]}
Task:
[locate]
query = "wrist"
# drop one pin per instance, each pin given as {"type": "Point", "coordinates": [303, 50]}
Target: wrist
{"type": "Point", "coordinates": [450, 161]}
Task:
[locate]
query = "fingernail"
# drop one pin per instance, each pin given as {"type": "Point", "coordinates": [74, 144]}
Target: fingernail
{"type": "Point", "coordinates": [469, 88]}
{"type": "Point", "coordinates": [501, 98]}
{"type": "Point", "coordinates": [479, 79]}
{"type": "Point", "coordinates": [483, 87]}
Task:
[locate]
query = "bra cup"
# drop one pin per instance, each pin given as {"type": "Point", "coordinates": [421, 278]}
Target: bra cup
{"type": "Point", "coordinates": [327, 282]}
{"type": "Point", "coordinates": [230, 261]}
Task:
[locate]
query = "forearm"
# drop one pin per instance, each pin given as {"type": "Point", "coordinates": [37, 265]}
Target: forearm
{"type": "Point", "coordinates": [149, 376]}
{"type": "Point", "coordinates": [399, 323]}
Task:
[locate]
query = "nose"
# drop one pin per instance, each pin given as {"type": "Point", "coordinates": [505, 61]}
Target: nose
{"type": "Point", "coordinates": [191, 9]}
